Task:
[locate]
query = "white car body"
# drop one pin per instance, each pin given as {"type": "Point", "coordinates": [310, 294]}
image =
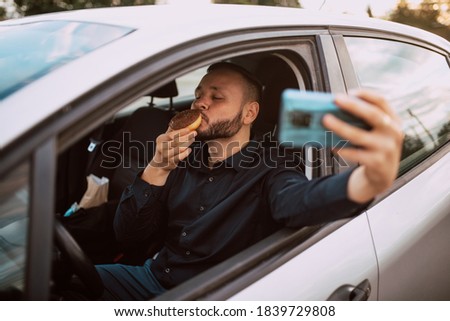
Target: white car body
{"type": "Point", "coordinates": [399, 244]}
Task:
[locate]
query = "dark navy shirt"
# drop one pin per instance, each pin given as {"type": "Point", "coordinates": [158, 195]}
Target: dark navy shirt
{"type": "Point", "coordinates": [212, 214]}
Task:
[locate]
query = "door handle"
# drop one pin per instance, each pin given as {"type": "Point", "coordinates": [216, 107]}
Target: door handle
{"type": "Point", "coordinates": [347, 292]}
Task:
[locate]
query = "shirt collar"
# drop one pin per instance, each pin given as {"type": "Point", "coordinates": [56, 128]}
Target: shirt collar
{"type": "Point", "coordinates": [245, 158]}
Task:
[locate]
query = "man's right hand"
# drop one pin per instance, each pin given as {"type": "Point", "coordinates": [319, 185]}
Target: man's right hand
{"type": "Point", "coordinates": [171, 148]}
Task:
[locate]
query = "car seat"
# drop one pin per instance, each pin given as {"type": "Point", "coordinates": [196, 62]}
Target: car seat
{"type": "Point", "coordinates": [119, 158]}
{"type": "Point", "coordinates": [276, 76]}
{"type": "Point", "coordinates": [129, 151]}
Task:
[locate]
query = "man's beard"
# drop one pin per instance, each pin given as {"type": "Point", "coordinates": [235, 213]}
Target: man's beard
{"type": "Point", "coordinates": [221, 129]}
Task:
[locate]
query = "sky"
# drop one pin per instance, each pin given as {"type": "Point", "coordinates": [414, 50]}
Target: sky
{"type": "Point", "coordinates": [379, 7]}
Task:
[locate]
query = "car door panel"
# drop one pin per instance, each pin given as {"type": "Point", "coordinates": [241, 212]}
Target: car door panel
{"type": "Point", "coordinates": [411, 235]}
{"type": "Point", "coordinates": [345, 257]}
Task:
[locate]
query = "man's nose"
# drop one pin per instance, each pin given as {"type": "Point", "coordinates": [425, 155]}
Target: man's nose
{"type": "Point", "coordinates": [200, 103]}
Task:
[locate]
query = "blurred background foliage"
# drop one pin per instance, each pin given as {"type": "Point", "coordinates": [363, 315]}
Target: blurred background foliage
{"type": "Point", "coordinates": [431, 15]}
{"type": "Point", "coordinates": [31, 7]}
{"type": "Point", "coordinates": [280, 3]}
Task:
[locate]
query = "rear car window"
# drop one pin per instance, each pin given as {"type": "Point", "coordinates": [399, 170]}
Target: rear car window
{"type": "Point", "coordinates": [29, 51]}
{"type": "Point", "coordinates": [416, 81]}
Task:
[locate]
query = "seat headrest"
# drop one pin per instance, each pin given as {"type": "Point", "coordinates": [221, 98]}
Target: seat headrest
{"type": "Point", "coordinates": [275, 75]}
{"type": "Point", "coordinates": [169, 90]}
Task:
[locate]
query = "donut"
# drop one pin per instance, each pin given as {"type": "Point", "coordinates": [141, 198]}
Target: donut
{"type": "Point", "coordinates": [190, 118]}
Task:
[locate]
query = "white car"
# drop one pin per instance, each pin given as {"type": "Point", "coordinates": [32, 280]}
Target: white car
{"type": "Point", "coordinates": [86, 91]}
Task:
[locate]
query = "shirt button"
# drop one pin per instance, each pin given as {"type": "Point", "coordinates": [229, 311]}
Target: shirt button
{"type": "Point", "coordinates": [167, 270]}
{"type": "Point", "coordinates": [183, 234]}
{"type": "Point", "coordinates": [201, 208]}
{"type": "Point", "coordinates": [146, 193]}
{"type": "Point", "coordinates": [211, 179]}
{"type": "Point", "coordinates": [188, 253]}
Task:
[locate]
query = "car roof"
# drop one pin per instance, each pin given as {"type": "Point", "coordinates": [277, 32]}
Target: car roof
{"type": "Point", "coordinates": [157, 18]}
{"type": "Point", "coordinates": [158, 28]}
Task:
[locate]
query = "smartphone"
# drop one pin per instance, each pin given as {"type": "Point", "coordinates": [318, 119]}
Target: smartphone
{"type": "Point", "coordinates": [301, 116]}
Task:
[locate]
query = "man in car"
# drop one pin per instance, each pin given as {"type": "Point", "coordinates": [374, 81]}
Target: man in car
{"type": "Point", "coordinates": [217, 198]}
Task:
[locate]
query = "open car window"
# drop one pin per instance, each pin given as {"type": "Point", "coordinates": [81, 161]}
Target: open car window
{"type": "Point", "coordinates": [127, 141]}
{"type": "Point", "coordinates": [185, 86]}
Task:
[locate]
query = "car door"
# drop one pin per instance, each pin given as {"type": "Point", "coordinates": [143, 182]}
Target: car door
{"type": "Point", "coordinates": [410, 223]}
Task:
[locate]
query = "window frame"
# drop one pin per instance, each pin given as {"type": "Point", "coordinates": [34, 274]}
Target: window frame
{"type": "Point", "coordinates": [40, 231]}
{"type": "Point", "coordinates": [321, 63]}
{"type": "Point", "coordinates": [99, 105]}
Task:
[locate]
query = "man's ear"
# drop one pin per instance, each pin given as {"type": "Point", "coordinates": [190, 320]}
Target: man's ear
{"type": "Point", "coordinates": [250, 112]}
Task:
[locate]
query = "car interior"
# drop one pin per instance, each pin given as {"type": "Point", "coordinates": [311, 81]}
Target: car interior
{"type": "Point", "coordinates": [121, 148]}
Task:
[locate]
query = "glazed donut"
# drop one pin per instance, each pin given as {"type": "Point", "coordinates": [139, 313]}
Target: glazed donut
{"type": "Point", "coordinates": [190, 118]}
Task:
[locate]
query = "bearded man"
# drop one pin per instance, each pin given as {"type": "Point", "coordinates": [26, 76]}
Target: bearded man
{"type": "Point", "coordinates": [217, 198]}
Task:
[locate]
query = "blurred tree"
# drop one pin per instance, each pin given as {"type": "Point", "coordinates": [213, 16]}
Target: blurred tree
{"type": "Point", "coordinates": [426, 16]}
{"type": "Point", "coordinates": [411, 145]}
{"type": "Point", "coordinates": [280, 3]}
{"type": "Point", "coordinates": [2, 13]}
{"type": "Point", "coordinates": [31, 7]}
{"type": "Point", "coordinates": [369, 12]}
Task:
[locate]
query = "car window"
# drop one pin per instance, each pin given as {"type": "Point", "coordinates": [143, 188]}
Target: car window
{"type": "Point", "coordinates": [186, 85]}
{"type": "Point", "coordinates": [29, 51]}
{"type": "Point", "coordinates": [416, 81]}
{"type": "Point", "coordinates": [14, 200]}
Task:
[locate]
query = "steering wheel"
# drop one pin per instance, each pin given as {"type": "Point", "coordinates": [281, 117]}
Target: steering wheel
{"type": "Point", "coordinates": [81, 264]}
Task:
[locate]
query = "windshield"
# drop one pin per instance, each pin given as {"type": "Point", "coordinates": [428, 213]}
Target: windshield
{"type": "Point", "coordinates": [29, 51]}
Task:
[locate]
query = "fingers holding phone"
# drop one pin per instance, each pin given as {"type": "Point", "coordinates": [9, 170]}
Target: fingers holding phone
{"type": "Point", "coordinates": [378, 149]}
{"type": "Point", "coordinates": [370, 108]}
{"type": "Point", "coordinates": [362, 128]}
{"type": "Point", "coordinates": [384, 133]}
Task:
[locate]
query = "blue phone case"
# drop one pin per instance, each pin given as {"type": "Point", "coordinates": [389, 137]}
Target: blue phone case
{"type": "Point", "coordinates": [301, 119]}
